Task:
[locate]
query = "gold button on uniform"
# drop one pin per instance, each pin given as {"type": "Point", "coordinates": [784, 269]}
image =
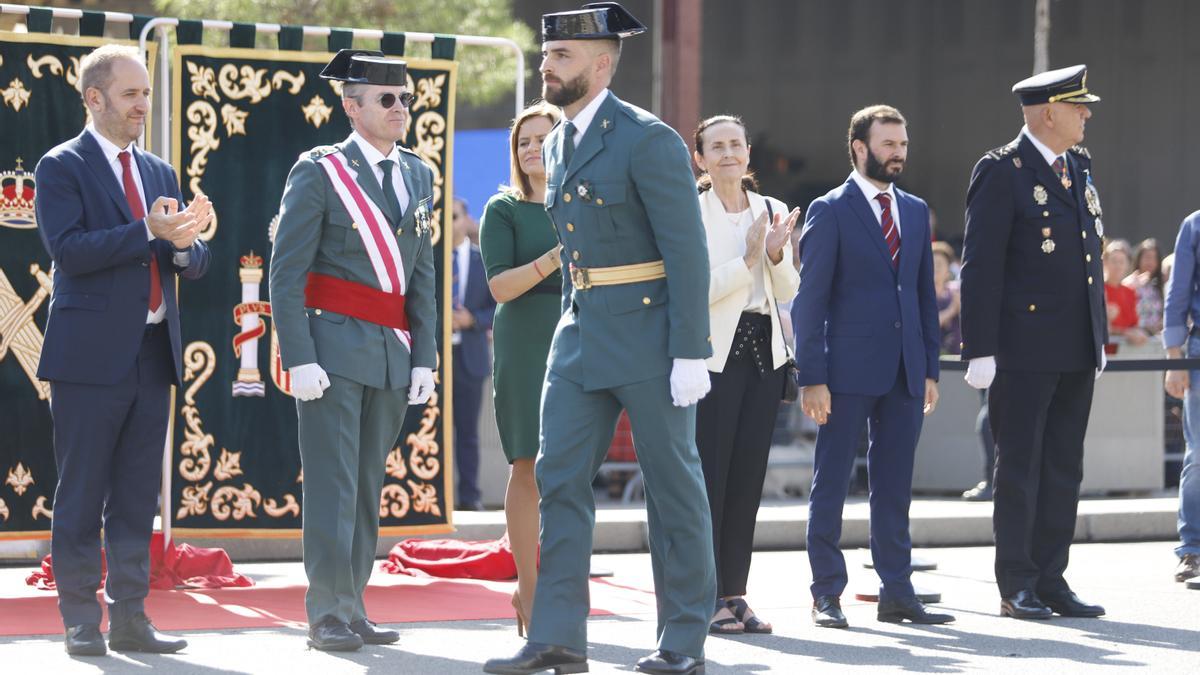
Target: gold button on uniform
{"type": "Point", "coordinates": [570, 227]}
{"type": "Point", "coordinates": [645, 301]}
{"type": "Point", "coordinates": [1089, 257]}
{"type": "Point", "coordinates": [399, 231]}
{"type": "Point", "coordinates": [1089, 281]}
{"type": "Point", "coordinates": [1085, 234]}
{"type": "Point", "coordinates": [567, 198]}
{"type": "Point", "coordinates": [1045, 214]}
{"type": "Point", "coordinates": [599, 202]}
{"type": "Point", "coordinates": [317, 312]}
{"type": "Point", "coordinates": [575, 255]}
{"type": "Point", "coordinates": [1033, 308]}
{"type": "Point", "coordinates": [354, 226]}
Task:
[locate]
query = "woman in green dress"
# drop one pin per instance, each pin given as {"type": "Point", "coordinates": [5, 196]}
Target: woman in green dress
{"type": "Point", "coordinates": [521, 254]}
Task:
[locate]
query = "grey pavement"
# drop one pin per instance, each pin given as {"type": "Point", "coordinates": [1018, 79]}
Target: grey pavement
{"type": "Point", "coordinates": [1153, 625]}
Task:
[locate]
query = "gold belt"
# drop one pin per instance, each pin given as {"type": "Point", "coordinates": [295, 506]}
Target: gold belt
{"type": "Point", "coordinates": [584, 278]}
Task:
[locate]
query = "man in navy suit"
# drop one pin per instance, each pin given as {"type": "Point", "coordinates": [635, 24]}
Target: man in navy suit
{"type": "Point", "coordinates": [111, 217]}
{"type": "Point", "coordinates": [867, 352]}
{"type": "Point", "coordinates": [474, 308]}
{"type": "Point", "coordinates": [1034, 329]}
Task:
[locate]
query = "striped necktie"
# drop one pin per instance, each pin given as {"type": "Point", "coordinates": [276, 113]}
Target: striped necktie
{"type": "Point", "coordinates": [890, 233]}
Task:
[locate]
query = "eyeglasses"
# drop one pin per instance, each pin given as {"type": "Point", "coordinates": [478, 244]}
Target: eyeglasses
{"type": "Point", "coordinates": [388, 101]}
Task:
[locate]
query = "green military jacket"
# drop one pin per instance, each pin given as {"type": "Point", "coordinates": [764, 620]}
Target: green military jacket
{"type": "Point", "coordinates": [317, 234]}
{"type": "Point", "coordinates": [627, 197]}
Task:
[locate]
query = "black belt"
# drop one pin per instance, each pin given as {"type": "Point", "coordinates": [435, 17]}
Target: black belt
{"type": "Point", "coordinates": [753, 341]}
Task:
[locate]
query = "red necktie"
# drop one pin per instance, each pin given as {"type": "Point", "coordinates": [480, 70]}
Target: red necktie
{"type": "Point", "coordinates": [890, 233]}
{"type": "Point", "coordinates": [138, 211]}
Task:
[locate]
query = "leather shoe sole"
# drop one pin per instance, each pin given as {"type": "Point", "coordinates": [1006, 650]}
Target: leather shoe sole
{"type": "Point", "coordinates": [561, 669]}
{"type": "Point", "coordinates": [336, 645]}
{"type": "Point", "coordinates": [1036, 614]}
{"type": "Point", "coordinates": [135, 646]}
{"type": "Point", "coordinates": [90, 648]}
{"type": "Point", "coordinates": [1077, 612]}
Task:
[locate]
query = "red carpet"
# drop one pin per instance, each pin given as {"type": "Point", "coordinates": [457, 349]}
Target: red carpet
{"type": "Point", "coordinates": [279, 602]}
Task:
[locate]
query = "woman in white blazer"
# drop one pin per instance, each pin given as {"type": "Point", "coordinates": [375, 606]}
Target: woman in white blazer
{"type": "Point", "coordinates": [750, 255]}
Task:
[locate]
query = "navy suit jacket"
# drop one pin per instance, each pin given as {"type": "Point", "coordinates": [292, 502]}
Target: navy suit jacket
{"type": "Point", "coordinates": [101, 263]}
{"type": "Point", "coordinates": [857, 316]}
{"type": "Point", "coordinates": [475, 354]}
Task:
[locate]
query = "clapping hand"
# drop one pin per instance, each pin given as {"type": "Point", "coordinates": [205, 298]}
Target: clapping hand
{"type": "Point", "coordinates": [778, 235]}
{"type": "Point", "coordinates": [181, 228]}
{"type": "Point", "coordinates": [756, 238]}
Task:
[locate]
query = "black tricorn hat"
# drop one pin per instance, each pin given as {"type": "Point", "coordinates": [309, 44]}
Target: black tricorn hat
{"type": "Point", "coordinates": [596, 21]}
{"type": "Point", "coordinates": [365, 66]}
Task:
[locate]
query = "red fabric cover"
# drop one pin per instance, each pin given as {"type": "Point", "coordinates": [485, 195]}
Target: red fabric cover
{"type": "Point", "coordinates": [177, 566]}
{"type": "Point", "coordinates": [452, 558]}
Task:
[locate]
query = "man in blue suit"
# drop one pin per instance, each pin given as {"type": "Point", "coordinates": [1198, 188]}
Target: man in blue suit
{"type": "Point", "coordinates": [867, 352]}
{"type": "Point", "coordinates": [111, 217]}
{"type": "Point", "coordinates": [474, 308]}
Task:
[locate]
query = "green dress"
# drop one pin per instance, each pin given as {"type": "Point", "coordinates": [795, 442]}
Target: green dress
{"type": "Point", "coordinates": [513, 233]}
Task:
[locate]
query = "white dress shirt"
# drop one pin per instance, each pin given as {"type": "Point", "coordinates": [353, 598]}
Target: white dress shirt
{"type": "Point", "coordinates": [584, 118]}
{"type": "Point", "coordinates": [462, 265]}
{"type": "Point", "coordinates": [870, 191]}
{"type": "Point", "coordinates": [1044, 151]}
{"type": "Point", "coordinates": [112, 154]}
{"type": "Point", "coordinates": [374, 157]}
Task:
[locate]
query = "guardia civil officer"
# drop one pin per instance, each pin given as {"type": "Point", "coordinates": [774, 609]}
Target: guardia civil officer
{"type": "Point", "coordinates": [352, 294]}
{"type": "Point", "coordinates": [633, 335]}
{"type": "Point", "coordinates": [1034, 328]}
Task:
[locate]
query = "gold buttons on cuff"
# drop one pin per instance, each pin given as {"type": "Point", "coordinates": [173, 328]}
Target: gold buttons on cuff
{"type": "Point", "coordinates": [1089, 281]}
{"type": "Point", "coordinates": [570, 227]}
{"type": "Point", "coordinates": [567, 198]}
{"type": "Point", "coordinates": [575, 255]}
{"type": "Point", "coordinates": [1033, 308]}
{"type": "Point", "coordinates": [645, 300]}
{"type": "Point", "coordinates": [599, 202]}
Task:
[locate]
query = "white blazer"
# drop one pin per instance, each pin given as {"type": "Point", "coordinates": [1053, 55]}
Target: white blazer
{"type": "Point", "coordinates": [731, 282]}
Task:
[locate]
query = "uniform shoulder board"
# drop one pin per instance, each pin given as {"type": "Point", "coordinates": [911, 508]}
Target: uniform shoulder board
{"type": "Point", "coordinates": [320, 151]}
{"type": "Point", "coordinates": [1003, 151]}
{"type": "Point", "coordinates": [1081, 151]}
{"type": "Point", "coordinates": [404, 149]}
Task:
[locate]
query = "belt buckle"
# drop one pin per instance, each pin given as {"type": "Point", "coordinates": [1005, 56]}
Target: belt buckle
{"type": "Point", "coordinates": [580, 278]}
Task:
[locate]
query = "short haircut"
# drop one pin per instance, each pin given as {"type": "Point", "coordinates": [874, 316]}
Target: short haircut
{"type": "Point", "coordinates": [95, 70]}
{"type": "Point", "coordinates": [353, 90]}
{"type": "Point", "coordinates": [613, 47]}
{"type": "Point", "coordinates": [861, 121]}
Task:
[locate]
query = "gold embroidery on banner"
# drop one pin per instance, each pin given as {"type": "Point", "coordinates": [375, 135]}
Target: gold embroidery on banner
{"type": "Point", "coordinates": [228, 466]}
{"type": "Point", "coordinates": [18, 332]}
{"type": "Point", "coordinates": [204, 81]}
{"type": "Point", "coordinates": [16, 96]}
{"type": "Point", "coordinates": [395, 466]}
{"type": "Point", "coordinates": [193, 501]}
{"type": "Point", "coordinates": [422, 460]}
{"type": "Point", "coordinates": [234, 119]}
{"type": "Point", "coordinates": [290, 507]}
{"type": "Point", "coordinates": [393, 502]}
{"type": "Point", "coordinates": [39, 509]}
{"type": "Point", "coordinates": [246, 82]}
{"type": "Point", "coordinates": [229, 501]}
{"type": "Point", "coordinates": [203, 134]}
{"type": "Point", "coordinates": [295, 82]}
{"type": "Point", "coordinates": [3, 506]}
{"type": "Point", "coordinates": [424, 497]}
{"type": "Point", "coordinates": [429, 92]}
{"type": "Point", "coordinates": [198, 356]}
{"type": "Point", "coordinates": [56, 68]}
{"type": "Point", "coordinates": [19, 478]}
{"type": "Point", "coordinates": [316, 112]}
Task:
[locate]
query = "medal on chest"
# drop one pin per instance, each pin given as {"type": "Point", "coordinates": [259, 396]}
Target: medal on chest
{"type": "Point", "coordinates": [1092, 196]}
{"type": "Point", "coordinates": [1047, 242]}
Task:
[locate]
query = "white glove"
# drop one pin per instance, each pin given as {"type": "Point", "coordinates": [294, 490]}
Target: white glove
{"type": "Point", "coordinates": [981, 372]}
{"type": "Point", "coordinates": [1103, 363]}
{"type": "Point", "coordinates": [420, 386]}
{"type": "Point", "coordinates": [689, 381]}
{"type": "Point", "coordinates": [309, 381]}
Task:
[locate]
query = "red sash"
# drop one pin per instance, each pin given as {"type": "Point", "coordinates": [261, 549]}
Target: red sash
{"type": "Point", "coordinates": [357, 300]}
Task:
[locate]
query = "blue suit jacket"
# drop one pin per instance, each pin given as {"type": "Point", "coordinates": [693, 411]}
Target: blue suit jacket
{"type": "Point", "coordinates": [101, 260]}
{"type": "Point", "coordinates": [856, 315]}
{"type": "Point", "coordinates": [475, 354]}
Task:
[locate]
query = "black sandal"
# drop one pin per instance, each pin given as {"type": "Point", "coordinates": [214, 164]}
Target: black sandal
{"type": "Point", "coordinates": [730, 626]}
{"type": "Point", "coordinates": [750, 622]}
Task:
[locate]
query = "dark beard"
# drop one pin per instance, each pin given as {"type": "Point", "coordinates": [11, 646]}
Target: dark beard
{"type": "Point", "coordinates": [568, 93]}
{"type": "Point", "coordinates": [880, 172]}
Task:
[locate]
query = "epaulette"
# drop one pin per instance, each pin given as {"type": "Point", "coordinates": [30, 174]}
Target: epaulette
{"type": "Point", "coordinates": [1003, 151]}
{"type": "Point", "coordinates": [320, 151]}
{"type": "Point", "coordinates": [404, 149]}
{"type": "Point", "coordinates": [1081, 151]}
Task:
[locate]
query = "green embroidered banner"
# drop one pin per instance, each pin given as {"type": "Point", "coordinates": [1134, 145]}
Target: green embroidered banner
{"type": "Point", "coordinates": [241, 117]}
{"type": "Point", "coordinates": [39, 108]}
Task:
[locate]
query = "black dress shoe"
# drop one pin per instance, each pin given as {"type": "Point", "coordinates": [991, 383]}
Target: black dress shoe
{"type": "Point", "coordinates": [827, 612]}
{"type": "Point", "coordinates": [1066, 603]}
{"type": "Point", "coordinates": [85, 640]}
{"type": "Point", "coordinates": [911, 609]}
{"type": "Point", "coordinates": [1024, 605]}
{"type": "Point", "coordinates": [670, 663]}
{"type": "Point", "coordinates": [372, 634]}
{"type": "Point", "coordinates": [139, 635]}
{"type": "Point", "coordinates": [535, 657]}
{"type": "Point", "coordinates": [1189, 567]}
{"type": "Point", "coordinates": [331, 635]}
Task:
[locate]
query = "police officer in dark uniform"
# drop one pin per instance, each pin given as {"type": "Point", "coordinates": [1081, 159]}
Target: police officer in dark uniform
{"type": "Point", "coordinates": [1034, 328]}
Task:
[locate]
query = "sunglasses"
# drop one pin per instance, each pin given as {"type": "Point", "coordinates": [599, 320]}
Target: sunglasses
{"type": "Point", "coordinates": [388, 101]}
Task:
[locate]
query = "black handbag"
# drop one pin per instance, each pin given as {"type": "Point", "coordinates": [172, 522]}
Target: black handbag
{"type": "Point", "coordinates": [791, 375]}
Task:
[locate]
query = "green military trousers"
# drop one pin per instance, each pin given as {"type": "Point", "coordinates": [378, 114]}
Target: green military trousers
{"type": "Point", "coordinates": [577, 428]}
{"type": "Point", "coordinates": [345, 437]}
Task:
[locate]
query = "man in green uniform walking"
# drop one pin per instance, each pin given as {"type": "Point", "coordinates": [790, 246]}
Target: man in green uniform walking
{"type": "Point", "coordinates": [352, 297]}
{"type": "Point", "coordinates": [633, 335]}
